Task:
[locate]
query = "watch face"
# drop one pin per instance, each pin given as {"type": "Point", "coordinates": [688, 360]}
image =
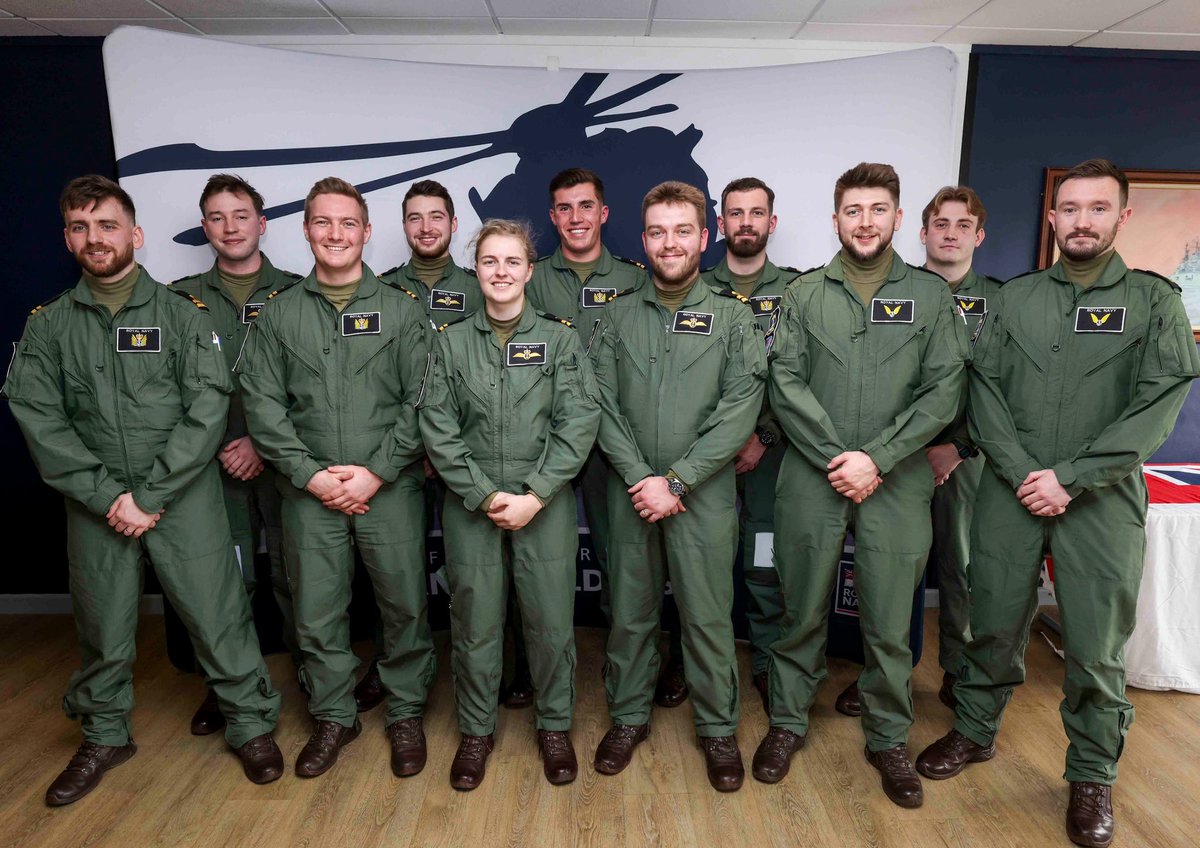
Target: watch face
{"type": "Point", "coordinates": [676, 488]}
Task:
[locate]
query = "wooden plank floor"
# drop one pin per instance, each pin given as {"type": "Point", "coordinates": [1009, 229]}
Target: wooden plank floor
{"type": "Point", "coordinates": [182, 791]}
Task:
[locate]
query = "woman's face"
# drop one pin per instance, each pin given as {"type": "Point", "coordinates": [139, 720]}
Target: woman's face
{"type": "Point", "coordinates": [503, 268]}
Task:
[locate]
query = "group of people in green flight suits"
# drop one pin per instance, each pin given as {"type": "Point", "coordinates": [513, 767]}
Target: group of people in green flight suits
{"type": "Point", "coordinates": [932, 412]}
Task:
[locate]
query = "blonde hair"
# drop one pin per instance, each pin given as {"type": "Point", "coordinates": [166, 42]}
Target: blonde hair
{"type": "Point", "coordinates": [517, 229]}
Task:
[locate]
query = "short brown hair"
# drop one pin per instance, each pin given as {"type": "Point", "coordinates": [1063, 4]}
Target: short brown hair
{"type": "Point", "coordinates": [951, 194]}
{"type": "Point", "coordinates": [867, 175]}
{"type": "Point", "coordinates": [233, 184]}
{"type": "Point", "coordinates": [336, 185]}
{"type": "Point", "coordinates": [748, 184]}
{"type": "Point", "coordinates": [91, 190]}
{"type": "Point", "coordinates": [518, 229]}
{"type": "Point", "coordinates": [427, 188]}
{"type": "Point", "coordinates": [1092, 169]}
{"type": "Point", "coordinates": [573, 177]}
{"type": "Point", "coordinates": [673, 191]}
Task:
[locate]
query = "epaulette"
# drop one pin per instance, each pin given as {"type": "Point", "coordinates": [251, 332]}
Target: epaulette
{"type": "Point", "coordinates": [613, 297]}
{"type": "Point", "coordinates": [1167, 280]}
{"type": "Point", "coordinates": [442, 328]}
{"type": "Point", "coordinates": [632, 262]}
{"type": "Point", "coordinates": [291, 274]}
{"type": "Point", "coordinates": [1026, 274]}
{"type": "Point", "coordinates": [927, 271]}
{"type": "Point", "coordinates": [197, 301]}
{"type": "Point", "coordinates": [542, 258]}
{"type": "Point", "coordinates": [401, 288]}
{"type": "Point", "coordinates": [390, 271]}
{"type": "Point", "coordinates": [992, 279]}
{"type": "Point", "coordinates": [550, 317]}
{"type": "Point", "coordinates": [42, 306]}
{"type": "Point", "coordinates": [814, 269]}
{"type": "Point", "coordinates": [184, 279]}
{"type": "Point", "coordinates": [790, 269]}
{"type": "Point", "coordinates": [470, 271]}
{"type": "Point", "coordinates": [731, 293]}
{"type": "Point", "coordinates": [272, 294]}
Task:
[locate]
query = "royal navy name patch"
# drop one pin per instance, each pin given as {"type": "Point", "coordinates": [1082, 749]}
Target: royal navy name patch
{"type": "Point", "coordinates": [361, 324]}
{"type": "Point", "coordinates": [1100, 319]}
{"type": "Point", "coordinates": [593, 297]}
{"type": "Point", "coordinates": [699, 323]}
{"type": "Point", "coordinates": [764, 304]}
{"type": "Point", "coordinates": [971, 305]}
{"type": "Point", "coordinates": [525, 353]}
{"type": "Point", "coordinates": [448, 300]}
{"type": "Point", "coordinates": [250, 312]}
{"type": "Point", "coordinates": [139, 340]}
{"type": "Point", "coordinates": [885, 311]}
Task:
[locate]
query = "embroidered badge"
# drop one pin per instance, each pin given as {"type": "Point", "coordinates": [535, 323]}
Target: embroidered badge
{"type": "Point", "coordinates": [139, 340]}
{"type": "Point", "coordinates": [250, 312]}
{"type": "Point", "coordinates": [891, 311]}
{"type": "Point", "coordinates": [360, 324]}
{"type": "Point", "coordinates": [1100, 319]}
{"type": "Point", "coordinates": [971, 305]}
{"type": "Point", "coordinates": [525, 353]}
{"type": "Point", "coordinates": [693, 322]}
{"type": "Point", "coordinates": [448, 300]}
{"type": "Point", "coordinates": [764, 304]}
{"type": "Point", "coordinates": [593, 297]}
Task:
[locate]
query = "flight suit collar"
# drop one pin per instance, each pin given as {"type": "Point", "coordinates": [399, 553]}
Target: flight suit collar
{"type": "Point", "coordinates": [410, 273]}
{"type": "Point", "coordinates": [698, 293]}
{"type": "Point", "coordinates": [267, 277]}
{"type": "Point", "coordinates": [1114, 272]}
{"type": "Point", "coordinates": [528, 319]}
{"type": "Point", "coordinates": [722, 274]}
{"type": "Point", "coordinates": [369, 286]}
{"type": "Point", "coordinates": [898, 271]}
{"type": "Point", "coordinates": [143, 290]}
{"type": "Point", "coordinates": [604, 264]}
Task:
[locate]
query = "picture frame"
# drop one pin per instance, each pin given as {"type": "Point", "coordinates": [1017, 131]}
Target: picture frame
{"type": "Point", "coordinates": [1162, 235]}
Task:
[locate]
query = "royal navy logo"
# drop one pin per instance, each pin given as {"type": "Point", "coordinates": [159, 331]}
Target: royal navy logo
{"type": "Point", "coordinates": [139, 340]}
{"type": "Point", "coordinates": [891, 311]}
{"type": "Point", "coordinates": [1100, 319]}
{"type": "Point", "coordinates": [699, 323]}
{"type": "Point", "coordinates": [525, 353]}
{"type": "Point", "coordinates": [593, 297]}
{"type": "Point", "coordinates": [971, 305]}
{"type": "Point", "coordinates": [447, 300]}
{"type": "Point", "coordinates": [250, 312]}
{"type": "Point", "coordinates": [361, 324]}
{"type": "Point", "coordinates": [764, 304]}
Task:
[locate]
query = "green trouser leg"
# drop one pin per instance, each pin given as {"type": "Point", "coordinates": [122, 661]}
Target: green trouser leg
{"type": "Point", "coordinates": [764, 601]}
{"type": "Point", "coordinates": [434, 491]}
{"type": "Point", "coordinates": [593, 484]}
{"type": "Point", "coordinates": [1098, 546]}
{"type": "Point", "coordinates": [192, 555]}
{"type": "Point", "coordinates": [693, 550]}
{"type": "Point", "coordinates": [892, 538]}
{"type": "Point", "coordinates": [319, 555]}
{"type": "Point", "coordinates": [538, 562]}
{"type": "Point", "coordinates": [238, 496]}
{"type": "Point", "coordinates": [953, 505]}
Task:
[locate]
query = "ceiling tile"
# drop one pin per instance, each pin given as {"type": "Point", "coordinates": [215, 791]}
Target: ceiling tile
{"type": "Point", "coordinates": [83, 9]}
{"type": "Point", "coordinates": [567, 9]}
{"type": "Point", "coordinates": [1142, 40]}
{"type": "Point", "coordinates": [868, 32]}
{"type": "Point", "coordinates": [268, 26]}
{"type": "Point", "coordinates": [929, 12]}
{"type": "Point", "coordinates": [721, 10]}
{"type": "Point", "coordinates": [238, 8]}
{"type": "Point", "coordinates": [723, 29]}
{"type": "Point", "coordinates": [1173, 16]}
{"type": "Point", "coordinates": [1058, 14]}
{"type": "Point", "coordinates": [104, 26]}
{"type": "Point", "coordinates": [997, 35]}
{"type": "Point", "coordinates": [20, 26]}
{"type": "Point", "coordinates": [408, 8]}
{"type": "Point", "coordinates": [573, 26]}
{"type": "Point", "coordinates": [420, 26]}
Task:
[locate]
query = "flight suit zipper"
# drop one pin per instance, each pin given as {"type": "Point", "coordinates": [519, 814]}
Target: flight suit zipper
{"type": "Point", "coordinates": [114, 376]}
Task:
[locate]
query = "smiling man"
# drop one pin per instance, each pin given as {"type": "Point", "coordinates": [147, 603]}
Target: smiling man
{"type": "Point", "coordinates": [680, 366]}
{"type": "Point", "coordinates": [330, 373]}
{"type": "Point", "coordinates": [866, 369]}
{"type": "Point", "coordinates": [1078, 378]}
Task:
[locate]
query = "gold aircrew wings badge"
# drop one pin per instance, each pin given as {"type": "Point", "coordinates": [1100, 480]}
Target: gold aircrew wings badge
{"type": "Point", "coordinates": [1100, 319]}
{"type": "Point", "coordinates": [699, 323]}
{"type": "Point", "coordinates": [524, 353]}
{"type": "Point", "coordinates": [885, 311]}
{"type": "Point", "coordinates": [447, 300]}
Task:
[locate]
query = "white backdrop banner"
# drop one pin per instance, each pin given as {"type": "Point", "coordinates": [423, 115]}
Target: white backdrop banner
{"type": "Point", "coordinates": [185, 107]}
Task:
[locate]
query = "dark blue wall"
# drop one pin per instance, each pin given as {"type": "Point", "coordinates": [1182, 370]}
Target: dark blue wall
{"type": "Point", "coordinates": [1030, 108]}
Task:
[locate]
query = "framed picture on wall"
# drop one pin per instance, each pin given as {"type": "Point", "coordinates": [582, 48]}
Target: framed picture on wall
{"type": "Point", "coordinates": [1162, 235]}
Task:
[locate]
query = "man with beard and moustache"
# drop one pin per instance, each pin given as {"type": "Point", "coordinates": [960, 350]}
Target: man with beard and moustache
{"type": "Point", "coordinates": [235, 289]}
{"type": "Point", "coordinates": [1078, 378]}
{"type": "Point", "coordinates": [121, 390]}
{"type": "Point", "coordinates": [866, 369]}
{"type": "Point", "coordinates": [680, 366]}
{"type": "Point", "coordinates": [747, 221]}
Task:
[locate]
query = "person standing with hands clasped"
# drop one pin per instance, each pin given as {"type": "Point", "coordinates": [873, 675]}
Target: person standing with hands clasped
{"type": "Point", "coordinates": [508, 414]}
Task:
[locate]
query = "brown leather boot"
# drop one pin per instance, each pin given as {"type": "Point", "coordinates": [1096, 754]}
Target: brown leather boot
{"type": "Point", "coordinates": [848, 702]}
{"type": "Point", "coordinates": [900, 781]}
{"type": "Point", "coordinates": [615, 750]}
{"type": "Point", "coordinates": [320, 752]}
{"type": "Point", "coordinates": [946, 693]}
{"type": "Point", "coordinates": [763, 685]}
{"type": "Point", "coordinates": [1089, 814]}
{"type": "Point", "coordinates": [773, 759]}
{"type": "Point", "coordinates": [262, 761]}
{"type": "Point", "coordinates": [558, 756]}
{"type": "Point", "coordinates": [723, 760]}
{"type": "Point", "coordinates": [84, 771]}
{"type": "Point", "coordinates": [470, 761]}
{"type": "Point", "coordinates": [671, 690]}
{"type": "Point", "coordinates": [409, 753]}
{"type": "Point", "coordinates": [208, 718]}
{"type": "Point", "coordinates": [369, 692]}
{"type": "Point", "coordinates": [949, 755]}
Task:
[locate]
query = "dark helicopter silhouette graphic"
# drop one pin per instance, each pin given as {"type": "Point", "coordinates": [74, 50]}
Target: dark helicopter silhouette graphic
{"type": "Point", "coordinates": [545, 139]}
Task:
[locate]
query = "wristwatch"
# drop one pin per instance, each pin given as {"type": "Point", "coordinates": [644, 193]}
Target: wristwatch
{"type": "Point", "coordinates": [676, 487]}
{"type": "Point", "coordinates": [965, 451]}
{"type": "Point", "coordinates": [765, 437]}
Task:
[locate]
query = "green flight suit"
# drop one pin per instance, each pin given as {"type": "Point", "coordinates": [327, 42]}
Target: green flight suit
{"type": "Point", "coordinates": [883, 378]}
{"type": "Point", "coordinates": [679, 393]}
{"type": "Point", "coordinates": [756, 488]}
{"type": "Point", "coordinates": [555, 288]}
{"type": "Point", "coordinates": [516, 420]}
{"type": "Point", "coordinates": [321, 389]}
{"type": "Point", "coordinates": [455, 296]}
{"type": "Point", "coordinates": [138, 403]}
{"type": "Point", "coordinates": [253, 506]}
{"type": "Point", "coordinates": [1088, 383]}
{"type": "Point", "coordinates": [954, 500]}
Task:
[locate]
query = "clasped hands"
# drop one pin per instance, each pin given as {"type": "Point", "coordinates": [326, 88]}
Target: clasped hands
{"type": "Point", "coordinates": [344, 488]}
{"type": "Point", "coordinates": [653, 501]}
{"type": "Point", "coordinates": [853, 474]}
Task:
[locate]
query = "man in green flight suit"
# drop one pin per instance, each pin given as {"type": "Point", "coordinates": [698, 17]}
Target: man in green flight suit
{"type": "Point", "coordinates": [330, 374]}
{"type": "Point", "coordinates": [121, 391]}
{"type": "Point", "coordinates": [680, 366]}
{"type": "Point", "coordinates": [747, 221]}
{"type": "Point", "coordinates": [1078, 377]}
{"type": "Point", "coordinates": [866, 369]}
{"type": "Point", "coordinates": [235, 289]}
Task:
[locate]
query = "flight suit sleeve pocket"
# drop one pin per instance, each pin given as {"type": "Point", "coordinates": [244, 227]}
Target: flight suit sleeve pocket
{"type": "Point", "coordinates": [1176, 349]}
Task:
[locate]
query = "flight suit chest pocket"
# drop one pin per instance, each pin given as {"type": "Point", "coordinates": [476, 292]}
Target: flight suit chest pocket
{"type": "Point", "coordinates": [372, 354]}
{"type": "Point", "coordinates": [900, 345]}
{"type": "Point", "coordinates": [154, 386]}
{"type": "Point", "coordinates": [473, 392]}
{"type": "Point", "coordinates": [698, 382]}
{"type": "Point", "coordinates": [822, 345]}
{"type": "Point", "coordinates": [631, 363]}
{"type": "Point", "coordinates": [528, 386]}
{"type": "Point", "coordinates": [297, 366]}
{"type": "Point", "coordinates": [80, 391]}
{"type": "Point", "coordinates": [1023, 366]}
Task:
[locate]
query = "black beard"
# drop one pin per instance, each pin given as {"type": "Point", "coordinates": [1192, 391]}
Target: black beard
{"type": "Point", "coordinates": [119, 262]}
{"type": "Point", "coordinates": [1098, 245]}
{"type": "Point", "coordinates": [884, 242]}
{"type": "Point", "coordinates": [744, 249]}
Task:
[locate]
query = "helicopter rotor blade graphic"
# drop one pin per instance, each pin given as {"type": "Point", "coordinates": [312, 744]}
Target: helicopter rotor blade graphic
{"type": "Point", "coordinates": [629, 116]}
{"type": "Point", "coordinates": [631, 93]}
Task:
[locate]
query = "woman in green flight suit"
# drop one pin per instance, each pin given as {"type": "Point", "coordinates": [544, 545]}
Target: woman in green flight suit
{"type": "Point", "coordinates": [509, 415]}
